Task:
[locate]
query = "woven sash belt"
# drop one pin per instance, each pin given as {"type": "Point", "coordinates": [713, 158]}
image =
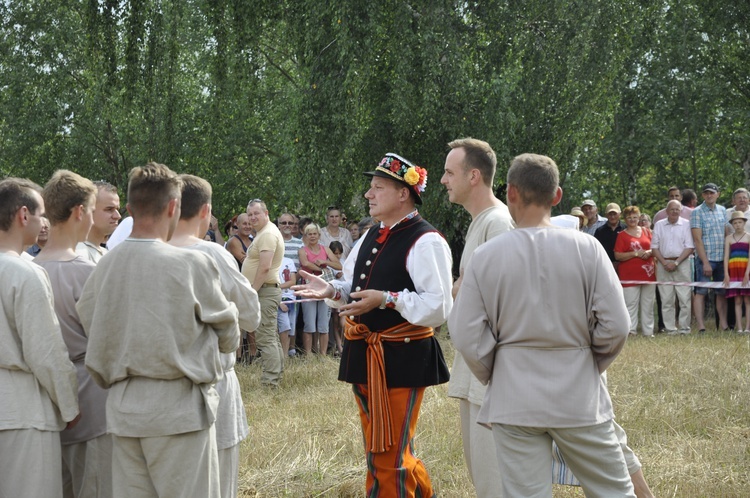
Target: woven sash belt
{"type": "Point", "coordinates": [381, 431]}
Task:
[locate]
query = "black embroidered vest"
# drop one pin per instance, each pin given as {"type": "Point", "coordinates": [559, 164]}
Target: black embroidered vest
{"type": "Point", "coordinates": [383, 267]}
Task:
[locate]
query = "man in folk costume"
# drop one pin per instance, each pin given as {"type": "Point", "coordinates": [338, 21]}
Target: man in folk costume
{"type": "Point", "coordinates": [396, 287]}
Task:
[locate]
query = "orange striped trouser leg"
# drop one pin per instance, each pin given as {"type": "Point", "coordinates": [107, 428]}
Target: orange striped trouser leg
{"type": "Point", "coordinates": [396, 473]}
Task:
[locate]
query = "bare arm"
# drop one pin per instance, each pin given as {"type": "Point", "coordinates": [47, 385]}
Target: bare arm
{"type": "Point", "coordinates": [215, 227]}
{"type": "Point", "coordinates": [624, 256]}
{"type": "Point", "coordinates": [291, 282]}
{"type": "Point", "coordinates": [700, 250]}
{"type": "Point", "coordinates": [264, 266]}
{"type": "Point", "coordinates": [235, 249]}
{"type": "Point", "coordinates": [727, 244]}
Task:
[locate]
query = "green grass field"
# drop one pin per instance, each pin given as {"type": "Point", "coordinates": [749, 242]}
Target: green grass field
{"type": "Point", "coordinates": [684, 402]}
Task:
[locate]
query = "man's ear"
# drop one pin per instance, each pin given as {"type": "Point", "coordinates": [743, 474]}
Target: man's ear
{"type": "Point", "coordinates": [205, 211]}
{"type": "Point", "coordinates": [172, 207]}
{"type": "Point", "coordinates": [22, 215]}
{"type": "Point", "coordinates": [511, 194]}
{"type": "Point", "coordinates": [78, 212]}
{"type": "Point", "coordinates": [558, 196]}
{"type": "Point", "coordinates": [475, 177]}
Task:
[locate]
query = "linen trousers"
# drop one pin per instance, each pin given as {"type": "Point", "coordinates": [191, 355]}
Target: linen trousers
{"type": "Point", "coordinates": [175, 465]}
{"type": "Point", "coordinates": [480, 452]}
{"type": "Point", "coordinates": [562, 474]}
{"type": "Point", "coordinates": [30, 463]}
{"type": "Point", "coordinates": [592, 452]}
{"type": "Point", "coordinates": [640, 301]}
{"type": "Point", "coordinates": [229, 467]}
{"type": "Point", "coordinates": [397, 472]}
{"type": "Point", "coordinates": [683, 273]}
{"type": "Point", "coordinates": [87, 468]}
{"type": "Point", "coordinates": [267, 338]}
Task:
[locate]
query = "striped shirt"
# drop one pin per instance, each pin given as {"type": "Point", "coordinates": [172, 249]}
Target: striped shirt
{"type": "Point", "coordinates": [711, 222]}
{"type": "Point", "coordinates": [291, 249]}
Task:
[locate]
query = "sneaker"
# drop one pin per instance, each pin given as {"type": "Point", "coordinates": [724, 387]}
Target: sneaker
{"type": "Point", "coordinates": [684, 331]}
{"type": "Point", "coordinates": [672, 332]}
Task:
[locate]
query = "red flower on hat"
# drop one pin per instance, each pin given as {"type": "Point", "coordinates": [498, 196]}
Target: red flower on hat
{"type": "Point", "coordinates": [422, 174]}
{"type": "Point", "coordinates": [395, 165]}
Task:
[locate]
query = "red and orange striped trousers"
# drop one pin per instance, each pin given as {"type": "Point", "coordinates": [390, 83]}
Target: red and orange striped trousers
{"type": "Point", "coordinates": [397, 472]}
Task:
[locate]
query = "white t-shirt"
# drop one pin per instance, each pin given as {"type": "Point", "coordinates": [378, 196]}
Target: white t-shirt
{"type": "Point", "coordinates": [285, 274]}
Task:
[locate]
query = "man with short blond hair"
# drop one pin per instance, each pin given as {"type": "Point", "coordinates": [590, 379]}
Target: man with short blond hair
{"type": "Point", "coordinates": [157, 322]}
{"type": "Point", "coordinates": [542, 386]}
{"type": "Point", "coordinates": [468, 176]}
{"type": "Point", "coordinates": [37, 378]}
{"type": "Point", "coordinates": [87, 448]}
{"type": "Point", "coordinates": [231, 421]}
{"type": "Point", "coordinates": [261, 267]}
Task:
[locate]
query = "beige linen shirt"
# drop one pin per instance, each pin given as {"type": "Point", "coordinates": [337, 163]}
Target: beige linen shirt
{"type": "Point", "coordinates": [157, 320]}
{"type": "Point", "coordinates": [269, 238]}
{"type": "Point", "coordinates": [488, 224]}
{"type": "Point", "coordinates": [539, 322]}
{"type": "Point", "coordinates": [67, 279]}
{"type": "Point", "coordinates": [38, 388]}
{"type": "Point", "coordinates": [231, 420]}
{"type": "Point", "coordinates": [90, 252]}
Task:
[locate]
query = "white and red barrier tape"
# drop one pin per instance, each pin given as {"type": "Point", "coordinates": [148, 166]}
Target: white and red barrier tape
{"type": "Point", "coordinates": [709, 285]}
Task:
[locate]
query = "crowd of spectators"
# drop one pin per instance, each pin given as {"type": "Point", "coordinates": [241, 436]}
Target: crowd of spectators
{"type": "Point", "coordinates": [687, 251]}
{"type": "Point", "coordinates": [685, 243]}
{"type": "Point", "coordinates": [310, 327]}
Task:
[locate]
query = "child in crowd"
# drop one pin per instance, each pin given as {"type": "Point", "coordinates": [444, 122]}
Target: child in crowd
{"type": "Point", "coordinates": [337, 321]}
{"type": "Point", "coordinates": [288, 278]}
{"type": "Point", "coordinates": [736, 247]}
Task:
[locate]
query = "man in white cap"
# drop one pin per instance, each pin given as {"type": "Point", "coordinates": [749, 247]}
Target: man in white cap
{"type": "Point", "coordinates": [592, 215]}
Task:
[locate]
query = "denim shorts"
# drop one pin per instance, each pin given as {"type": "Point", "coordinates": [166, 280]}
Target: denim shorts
{"type": "Point", "coordinates": [718, 276]}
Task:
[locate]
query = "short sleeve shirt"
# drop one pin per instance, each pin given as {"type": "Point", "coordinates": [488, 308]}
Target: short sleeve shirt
{"type": "Point", "coordinates": [711, 222]}
{"type": "Point", "coordinates": [268, 238]}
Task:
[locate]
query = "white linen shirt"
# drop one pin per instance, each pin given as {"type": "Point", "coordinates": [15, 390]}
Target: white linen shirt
{"type": "Point", "coordinates": [429, 265]}
{"type": "Point", "coordinates": [672, 238]}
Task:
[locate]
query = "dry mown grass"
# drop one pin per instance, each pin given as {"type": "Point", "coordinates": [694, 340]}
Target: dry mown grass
{"type": "Point", "coordinates": [684, 402]}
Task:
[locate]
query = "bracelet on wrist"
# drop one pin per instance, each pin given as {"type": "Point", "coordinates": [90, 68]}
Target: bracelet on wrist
{"type": "Point", "coordinates": [382, 303]}
{"type": "Point", "coordinates": [391, 300]}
